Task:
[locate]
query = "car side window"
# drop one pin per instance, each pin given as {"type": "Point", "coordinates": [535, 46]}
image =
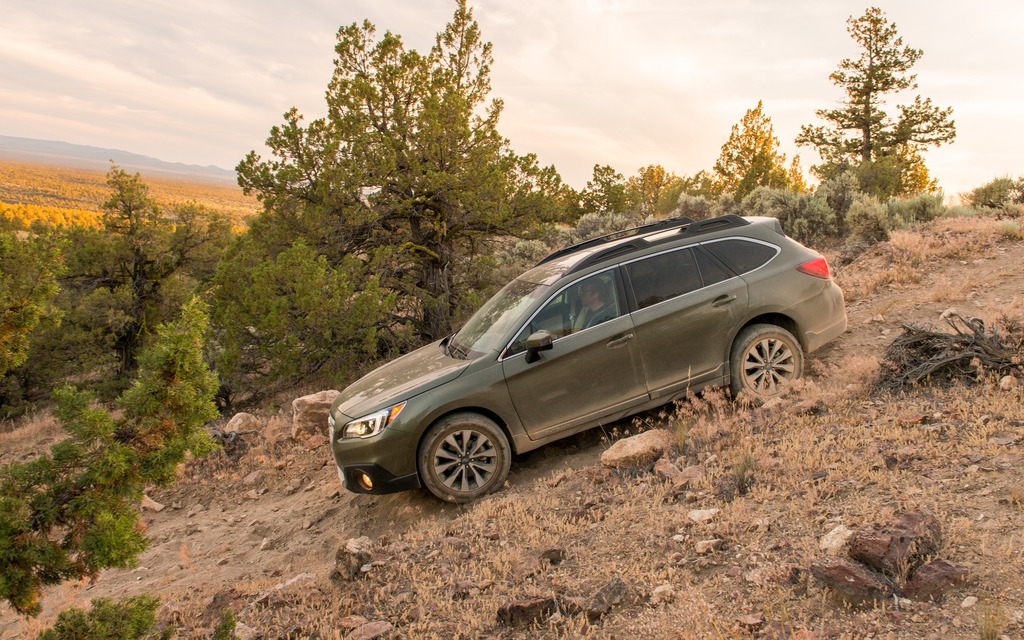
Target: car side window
{"type": "Point", "coordinates": [663, 277]}
{"type": "Point", "coordinates": [582, 305]}
{"type": "Point", "coordinates": [741, 256]}
{"type": "Point", "coordinates": [711, 272]}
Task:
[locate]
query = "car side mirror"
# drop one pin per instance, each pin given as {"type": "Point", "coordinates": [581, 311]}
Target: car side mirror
{"type": "Point", "coordinates": [538, 341]}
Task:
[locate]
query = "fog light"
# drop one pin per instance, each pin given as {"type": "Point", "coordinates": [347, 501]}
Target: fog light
{"type": "Point", "coordinates": [364, 481]}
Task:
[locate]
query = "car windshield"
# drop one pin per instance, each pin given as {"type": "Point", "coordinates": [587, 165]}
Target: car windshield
{"type": "Point", "coordinates": [487, 327]}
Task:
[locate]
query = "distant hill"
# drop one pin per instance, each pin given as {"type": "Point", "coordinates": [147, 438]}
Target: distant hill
{"type": "Point", "coordinates": [76, 156]}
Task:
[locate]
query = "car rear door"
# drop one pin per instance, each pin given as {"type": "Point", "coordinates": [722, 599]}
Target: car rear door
{"type": "Point", "coordinates": [687, 307]}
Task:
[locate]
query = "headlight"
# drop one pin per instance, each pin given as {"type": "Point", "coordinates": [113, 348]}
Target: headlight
{"type": "Point", "coordinates": [372, 424]}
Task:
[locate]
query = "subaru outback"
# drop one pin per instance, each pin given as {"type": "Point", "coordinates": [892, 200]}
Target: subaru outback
{"type": "Point", "coordinates": [593, 333]}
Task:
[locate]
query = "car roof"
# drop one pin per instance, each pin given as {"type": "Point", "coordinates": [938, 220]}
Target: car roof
{"type": "Point", "coordinates": [623, 243]}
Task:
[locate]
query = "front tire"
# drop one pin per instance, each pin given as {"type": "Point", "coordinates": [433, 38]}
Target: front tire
{"type": "Point", "coordinates": [765, 357]}
{"type": "Point", "coordinates": [463, 457]}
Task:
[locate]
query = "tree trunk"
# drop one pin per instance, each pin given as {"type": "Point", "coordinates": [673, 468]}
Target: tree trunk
{"type": "Point", "coordinates": [437, 305]}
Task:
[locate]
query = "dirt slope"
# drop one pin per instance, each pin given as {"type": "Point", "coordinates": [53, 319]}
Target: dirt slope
{"type": "Point", "coordinates": [279, 512]}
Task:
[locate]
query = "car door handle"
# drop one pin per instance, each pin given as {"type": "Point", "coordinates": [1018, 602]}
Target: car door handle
{"type": "Point", "coordinates": [618, 342]}
{"type": "Point", "coordinates": [721, 301]}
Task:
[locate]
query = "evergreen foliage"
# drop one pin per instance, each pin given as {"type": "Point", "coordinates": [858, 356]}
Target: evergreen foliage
{"type": "Point", "coordinates": [28, 286]}
{"type": "Point", "coordinates": [997, 193]}
{"type": "Point", "coordinates": [289, 315]}
{"type": "Point", "coordinates": [886, 151]}
{"type": "Point", "coordinates": [606, 192]}
{"type": "Point", "coordinates": [118, 281]}
{"type": "Point", "coordinates": [750, 158]}
{"type": "Point", "coordinates": [73, 511]}
{"type": "Point", "coordinates": [126, 619]}
{"type": "Point", "coordinates": [407, 171]}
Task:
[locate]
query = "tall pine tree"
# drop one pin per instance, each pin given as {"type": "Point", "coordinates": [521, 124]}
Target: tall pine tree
{"type": "Point", "coordinates": [860, 133]}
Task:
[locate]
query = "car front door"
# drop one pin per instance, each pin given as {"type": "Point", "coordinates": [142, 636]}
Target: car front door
{"type": "Point", "coordinates": [592, 369]}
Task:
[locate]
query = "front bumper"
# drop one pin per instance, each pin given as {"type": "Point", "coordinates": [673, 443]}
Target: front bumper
{"type": "Point", "coordinates": [384, 463]}
{"type": "Point", "coordinates": [355, 477]}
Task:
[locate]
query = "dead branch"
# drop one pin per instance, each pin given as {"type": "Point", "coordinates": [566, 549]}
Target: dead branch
{"type": "Point", "coordinates": [923, 356]}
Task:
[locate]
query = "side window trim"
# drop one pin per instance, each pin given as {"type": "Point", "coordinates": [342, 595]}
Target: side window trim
{"type": "Point", "coordinates": [618, 283]}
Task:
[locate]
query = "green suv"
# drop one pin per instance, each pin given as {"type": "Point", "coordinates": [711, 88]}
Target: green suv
{"type": "Point", "coordinates": [593, 333]}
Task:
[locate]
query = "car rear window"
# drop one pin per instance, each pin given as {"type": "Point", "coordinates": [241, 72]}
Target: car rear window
{"type": "Point", "coordinates": [740, 255]}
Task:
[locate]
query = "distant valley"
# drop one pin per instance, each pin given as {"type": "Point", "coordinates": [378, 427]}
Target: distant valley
{"type": "Point", "coordinates": [75, 156]}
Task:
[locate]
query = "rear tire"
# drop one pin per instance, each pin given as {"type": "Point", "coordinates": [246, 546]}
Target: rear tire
{"type": "Point", "coordinates": [765, 357]}
{"type": "Point", "coordinates": [463, 457]}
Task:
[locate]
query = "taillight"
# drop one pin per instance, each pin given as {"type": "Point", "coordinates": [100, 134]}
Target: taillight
{"type": "Point", "coordinates": [817, 268]}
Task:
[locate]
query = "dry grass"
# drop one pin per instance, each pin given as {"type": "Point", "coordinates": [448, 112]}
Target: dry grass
{"type": "Point", "coordinates": [818, 458]}
{"type": "Point", "coordinates": [24, 438]}
{"type": "Point", "coordinates": [911, 254]}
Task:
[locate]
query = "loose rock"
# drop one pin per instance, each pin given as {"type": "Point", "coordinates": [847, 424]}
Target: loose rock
{"type": "Point", "coordinates": [934, 579]}
{"type": "Point", "coordinates": [243, 422]}
{"type": "Point", "coordinates": [350, 559]}
{"type": "Point", "coordinates": [610, 595]}
{"type": "Point", "coordinates": [663, 594]}
{"type": "Point", "coordinates": [834, 541]}
{"type": "Point", "coordinates": [705, 547]}
{"type": "Point", "coordinates": [637, 451]}
{"type": "Point", "coordinates": [897, 546]}
{"type": "Point", "coordinates": [309, 414]}
{"type": "Point", "coordinates": [150, 504]}
{"type": "Point", "coordinates": [372, 630]}
{"type": "Point", "coordinates": [526, 611]}
{"type": "Point", "coordinates": [702, 516]}
{"type": "Point", "coordinates": [851, 582]}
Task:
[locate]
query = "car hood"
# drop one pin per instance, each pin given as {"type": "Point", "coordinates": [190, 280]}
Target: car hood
{"type": "Point", "coordinates": [409, 375]}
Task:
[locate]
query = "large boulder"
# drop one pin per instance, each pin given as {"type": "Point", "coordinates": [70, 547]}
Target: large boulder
{"type": "Point", "coordinates": [638, 451]}
{"type": "Point", "coordinates": [309, 414]}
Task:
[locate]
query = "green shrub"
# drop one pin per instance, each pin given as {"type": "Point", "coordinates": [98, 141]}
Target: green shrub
{"type": "Point", "coordinates": [226, 628]}
{"type": "Point", "coordinates": [1011, 230]}
{"type": "Point", "coordinates": [125, 619]}
{"type": "Point", "coordinates": [997, 193]}
{"type": "Point", "coordinates": [73, 511]}
{"type": "Point", "coordinates": [695, 207]}
{"type": "Point", "coordinates": [868, 219]}
{"type": "Point", "coordinates": [920, 208]}
{"type": "Point", "coordinates": [807, 218]}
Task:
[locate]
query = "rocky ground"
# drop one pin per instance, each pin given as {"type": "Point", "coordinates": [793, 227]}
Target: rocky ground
{"type": "Point", "coordinates": [778, 506]}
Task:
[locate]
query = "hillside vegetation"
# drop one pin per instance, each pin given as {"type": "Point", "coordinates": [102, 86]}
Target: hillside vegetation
{"type": "Point", "coordinates": [63, 197]}
{"type": "Point", "coordinates": [726, 554]}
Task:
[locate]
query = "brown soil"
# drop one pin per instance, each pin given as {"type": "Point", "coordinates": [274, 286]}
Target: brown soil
{"type": "Point", "coordinates": [219, 535]}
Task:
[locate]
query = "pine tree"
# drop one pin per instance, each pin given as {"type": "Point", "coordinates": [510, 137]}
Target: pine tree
{"type": "Point", "coordinates": [407, 170]}
{"type": "Point", "coordinates": [73, 511]}
{"type": "Point", "coordinates": [860, 133]}
{"type": "Point", "coordinates": [28, 286]}
{"type": "Point", "coordinates": [750, 158]}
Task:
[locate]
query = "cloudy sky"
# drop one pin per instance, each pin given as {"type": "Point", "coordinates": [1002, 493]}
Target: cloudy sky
{"type": "Point", "coordinates": [619, 82]}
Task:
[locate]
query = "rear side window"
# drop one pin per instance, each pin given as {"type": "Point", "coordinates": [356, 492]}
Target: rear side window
{"type": "Point", "coordinates": [663, 277]}
{"type": "Point", "coordinates": [741, 256]}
